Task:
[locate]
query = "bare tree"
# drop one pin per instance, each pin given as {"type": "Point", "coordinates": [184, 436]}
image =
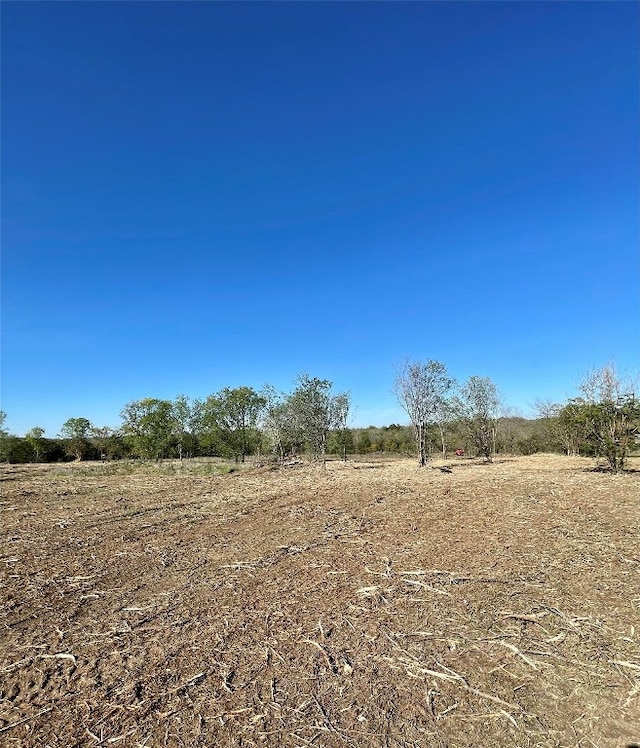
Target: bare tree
{"type": "Point", "coordinates": [422, 390]}
{"type": "Point", "coordinates": [604, 385]}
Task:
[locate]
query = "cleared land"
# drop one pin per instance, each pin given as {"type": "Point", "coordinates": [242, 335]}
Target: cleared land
{"type": "Point", "coordinates": [371, 604]}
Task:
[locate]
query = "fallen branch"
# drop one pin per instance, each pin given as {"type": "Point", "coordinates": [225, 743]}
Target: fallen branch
{"type": "Point", "coordinates": [6, 728]}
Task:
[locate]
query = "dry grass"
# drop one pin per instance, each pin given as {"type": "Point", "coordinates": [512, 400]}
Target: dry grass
{"type": "Point", "coordinates": [371, 604]}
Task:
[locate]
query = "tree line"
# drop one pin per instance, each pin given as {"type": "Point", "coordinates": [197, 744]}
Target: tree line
{"type": "Point", "coordinates": [604, 421]}
{"type": "Point", "coordinates": [232, 423]}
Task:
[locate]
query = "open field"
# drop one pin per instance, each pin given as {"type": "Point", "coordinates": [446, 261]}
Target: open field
{"type": "Point", "coordinates": [369, 604]}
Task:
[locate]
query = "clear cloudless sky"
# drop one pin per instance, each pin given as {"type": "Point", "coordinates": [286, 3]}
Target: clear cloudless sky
{"type": "Point", "coordinates": [198, 195]}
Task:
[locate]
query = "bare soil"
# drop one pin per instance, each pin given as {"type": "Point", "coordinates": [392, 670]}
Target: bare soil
{"type": "Point", "coordinates": [368, 604]}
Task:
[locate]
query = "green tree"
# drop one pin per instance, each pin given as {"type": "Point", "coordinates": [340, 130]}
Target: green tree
{"type": "Point", "coordinates": [511, 432]}
{"type": "Point", "coordinates": [233, 414]}
{"type": "Point", "coordinates": [34, 438]}
{"type": "Point", "coordinates": [150, 425]}
{"type": "Point", "coordinates": [398, 439]}
{"type": "Point", "coordinates": [378, 439]}
{"type": "Point", "coordinates": [549, 425]}
{"type": "Point", "coordinates": [187, 418]}
{"type": "Point", "coordinates": [75, 432]}
{"type": "Point", "coordinates": [611, 413]}
{"type": "Point", "coordinates": [281, 424]}
{"type": "Point", "coordinates": [341, 442]}
{"type": "Point", "coordinates": [17, 450]}
{"type": "Point", "coordinates": [364, 441]}
{"type": "Point", "coordinates": [196, 425]}
{"type": "Point", "coordinates": [422, 390]}
{"type": "Point", "coordinates": [478, 406]}
{"type": "Point", "coordinates": [107, 442]}
{"type": "Point", "coordinates": [316, 410]}
{"type": "Point", "coordinates": [563, 427]}
{"type": "Point", "coordinates": [572, 426]}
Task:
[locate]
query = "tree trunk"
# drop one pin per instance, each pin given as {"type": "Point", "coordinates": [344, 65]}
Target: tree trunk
{"type": "Point", "coordinates": [422, 451]}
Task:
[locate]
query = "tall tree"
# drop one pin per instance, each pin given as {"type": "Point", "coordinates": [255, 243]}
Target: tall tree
{"type": "Point", "coordinates": [422, 390]}
{"type": "Point", "coordinates": [183, 412]}
{"type": "Point", "coordinates": [149, 423]}
{"type": "Point", "coordinates": [316, 410]}
{"type": "Point", "coordinates": [280, 424]}
{"type": "Point", "coordinates": [478, 406]}
{"type": "Point", "coordinates": [195, 426]}
{"type": "Point", "coordinates": [573, 427]}
{"type": "Point", "coordinates": [75, 432]}
{"type": "Point", "coordinates": [235, 414]}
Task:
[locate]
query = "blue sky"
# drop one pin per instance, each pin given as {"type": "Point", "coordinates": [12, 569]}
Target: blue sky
{"type": "Point", "coordinates": [200, 195]}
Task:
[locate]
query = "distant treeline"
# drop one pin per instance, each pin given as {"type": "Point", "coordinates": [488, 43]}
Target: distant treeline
{"type": "Point", "coordinates": [515, 436]}
{"type": "Point", "coordinates": [445, 417]}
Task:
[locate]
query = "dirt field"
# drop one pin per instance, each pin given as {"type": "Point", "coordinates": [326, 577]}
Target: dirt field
{"type": "Point", "coordinates": [370, 604]}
